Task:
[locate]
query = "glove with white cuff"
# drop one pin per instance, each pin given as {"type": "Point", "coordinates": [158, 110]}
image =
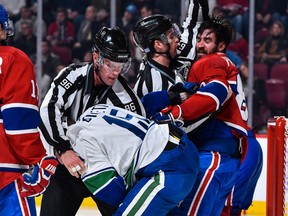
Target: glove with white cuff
{"type": "Point", "coordinates": [35, 181]}
{"type": "Point", "coordinates": [171, 114]}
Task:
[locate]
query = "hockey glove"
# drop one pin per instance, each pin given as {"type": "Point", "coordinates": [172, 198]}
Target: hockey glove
{"type": "Point", "coordinates": [180, 92]}
{"type": "Point", "coordinates": [169, 115]}
{"type": "Point", "coordinates": [189, 87]}
{"type": "Point", "coordinates": [155, 101]}
{"type": "Point", "coordinates": [35, 182]}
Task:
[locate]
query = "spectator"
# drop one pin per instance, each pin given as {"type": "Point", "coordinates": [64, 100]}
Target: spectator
{"type": "Point", "coordinates": [102, 19]}
{"type": "Point", "coordinates": [85, 33]}
{"type": "Point", "coordinates": [239, 45]}
{"type": "Point", "coordinates": [49, 8]}
{"type": "Point", "coordinates": [269, 11]}
{"type": "Point", "coordinates": [140, 3]}
{"type": "Point", "coordinates": [49, 70]}
{"type": "Point", "coordinates": [128, 20]}
{"type": "Point", "coordinates": [146, 10]}
{"type": "Point", "coordinates": [274, 48]}
{"type": "Point", "coordinates": [27, 41]}
{"type": "Point", "coordinates": [279, 12]}
{"type": "Point", "coordinates": [49, 59]}
{"type": "Point", "coordinates": [75, 9]}
{"type": "Point", "coordinates": [13, 8]}
{"type": "Point", "coordinates": [263, 14]}
{"type": "Point", "coordinates": [234, 11]}
{"type": "Point", "coordinates": [62, 31]}
{"type": "Point", "coordinates": [26, 15]}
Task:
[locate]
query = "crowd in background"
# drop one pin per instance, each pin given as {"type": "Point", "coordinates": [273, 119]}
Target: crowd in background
{"type": "Point", "coordinates": [68, 27]}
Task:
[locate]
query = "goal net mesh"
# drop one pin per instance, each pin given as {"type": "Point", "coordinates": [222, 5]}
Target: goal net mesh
{"type": "Point", "coordinates": [277, 167]}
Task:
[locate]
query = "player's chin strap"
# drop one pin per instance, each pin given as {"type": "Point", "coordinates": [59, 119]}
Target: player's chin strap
{"type": "Point", "coordinates": [165, 40]}
{"type": "Point", "coordinates": [166, 52]}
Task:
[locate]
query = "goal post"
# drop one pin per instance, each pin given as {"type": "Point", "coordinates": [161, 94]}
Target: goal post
{"type": "Point", "coordinates": [277, 163]}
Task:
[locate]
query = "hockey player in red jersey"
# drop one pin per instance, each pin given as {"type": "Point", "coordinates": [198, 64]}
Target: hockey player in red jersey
{"type": "Point", "coordinates": [25, 169]}
{"type": "Point", "coordinates": [221, 105]}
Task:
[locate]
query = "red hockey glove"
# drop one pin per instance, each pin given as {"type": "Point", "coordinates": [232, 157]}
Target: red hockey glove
{"type": "Point", "coordinates": [35, 182]}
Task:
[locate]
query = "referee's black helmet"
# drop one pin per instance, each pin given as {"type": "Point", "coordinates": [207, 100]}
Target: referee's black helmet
{"type": "Point", "coordinates": [111, 43]}
{"type": "Point", "coordinates": [150, 28]}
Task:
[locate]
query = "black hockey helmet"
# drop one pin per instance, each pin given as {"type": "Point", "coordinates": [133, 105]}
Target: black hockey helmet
{"type": "Point", "coordinates": [111, 43]}
{"type": "Point", "coordinates": [150, 28]}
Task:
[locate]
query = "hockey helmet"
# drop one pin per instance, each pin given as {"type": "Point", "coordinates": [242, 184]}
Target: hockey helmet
{"type": "Point", "coordinates": [150, 28]}
{"type": "Point", "coordinates": [112, 44]}
{"type": "Point", "coordinates": [6, 23]}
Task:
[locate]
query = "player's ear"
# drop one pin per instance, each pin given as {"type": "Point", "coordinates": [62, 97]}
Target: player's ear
{"type": "Point", "coordinates": [159, 45]}
{"type": "Point", "coordinates": [221, 46]}
{"type": "Point", "coordinates": [95, 56]}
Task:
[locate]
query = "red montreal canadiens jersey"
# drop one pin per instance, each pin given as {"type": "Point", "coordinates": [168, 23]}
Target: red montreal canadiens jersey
{"type": "Point", "coordinates": [20, 142]}
{"type": "Point", "coordinates": [218, 77]}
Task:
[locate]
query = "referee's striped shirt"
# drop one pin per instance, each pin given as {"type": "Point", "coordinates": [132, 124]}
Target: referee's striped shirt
{"type": "Point", "coordinates": [70, 94]}
{"type": "Point", "coordinates": [153, 76]}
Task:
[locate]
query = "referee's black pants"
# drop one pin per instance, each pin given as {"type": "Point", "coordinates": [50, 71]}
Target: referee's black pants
{"type": "Point", "coordinates": [65, 194]}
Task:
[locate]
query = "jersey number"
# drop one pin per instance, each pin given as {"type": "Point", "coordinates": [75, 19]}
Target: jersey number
{"type": "Point", "coordinates": [128, 122]}
{"type": "Point", "coordinates": [34, 93]}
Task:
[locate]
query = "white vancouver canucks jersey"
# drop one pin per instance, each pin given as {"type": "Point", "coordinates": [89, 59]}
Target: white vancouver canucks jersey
{"type": "Point", "coordinates": [108, 137]}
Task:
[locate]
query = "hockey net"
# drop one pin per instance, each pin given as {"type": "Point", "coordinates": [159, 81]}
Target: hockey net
{"type": "Point", "coordinates": [277, 167]}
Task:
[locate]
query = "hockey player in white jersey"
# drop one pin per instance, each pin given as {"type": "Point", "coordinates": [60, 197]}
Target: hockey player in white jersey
{"type": "Point", "coordinates": [143, 167]}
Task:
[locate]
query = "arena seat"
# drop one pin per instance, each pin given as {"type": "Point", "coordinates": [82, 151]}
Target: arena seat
{"type": "Point", "coordinates": [276, 96]}
{"type": "Point", "coordinates": [64, 53]}
{"type": "Point", "coordinates": [280, 71]}
{"type": "Point", "coordinates": [261, 71]}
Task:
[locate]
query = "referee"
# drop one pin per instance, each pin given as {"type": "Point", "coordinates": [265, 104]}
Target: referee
{"type": "Point", "coordinates": [74, 90]}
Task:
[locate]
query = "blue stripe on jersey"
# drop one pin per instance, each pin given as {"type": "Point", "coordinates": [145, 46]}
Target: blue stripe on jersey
{"type": "Point", "coordinates": [17, 170]}
{"type": "Point", "coordinates": [216, 88]}
{"type": "Point", "coordinates": [116, 186]}
{"type": "Point", "coordinates": [234, 88]}
{"type": "Point", "coordinates": [134, 129]}
{"type": "Point", "coordinates": [85, 177]}
{"type": "Point", "coordinates": [20, 118]}
{"type": "Point", "coordinates": [144, 125]}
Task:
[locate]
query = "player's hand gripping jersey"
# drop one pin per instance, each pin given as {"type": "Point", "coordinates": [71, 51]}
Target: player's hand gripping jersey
{"type": "Point", "coordinates": [20, 141]}
{"type": "Point", "coordinates": [122, 149]}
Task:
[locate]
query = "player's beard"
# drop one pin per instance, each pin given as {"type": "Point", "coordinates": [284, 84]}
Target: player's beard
{"type": "Point", "coordinates": [201, 52]}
